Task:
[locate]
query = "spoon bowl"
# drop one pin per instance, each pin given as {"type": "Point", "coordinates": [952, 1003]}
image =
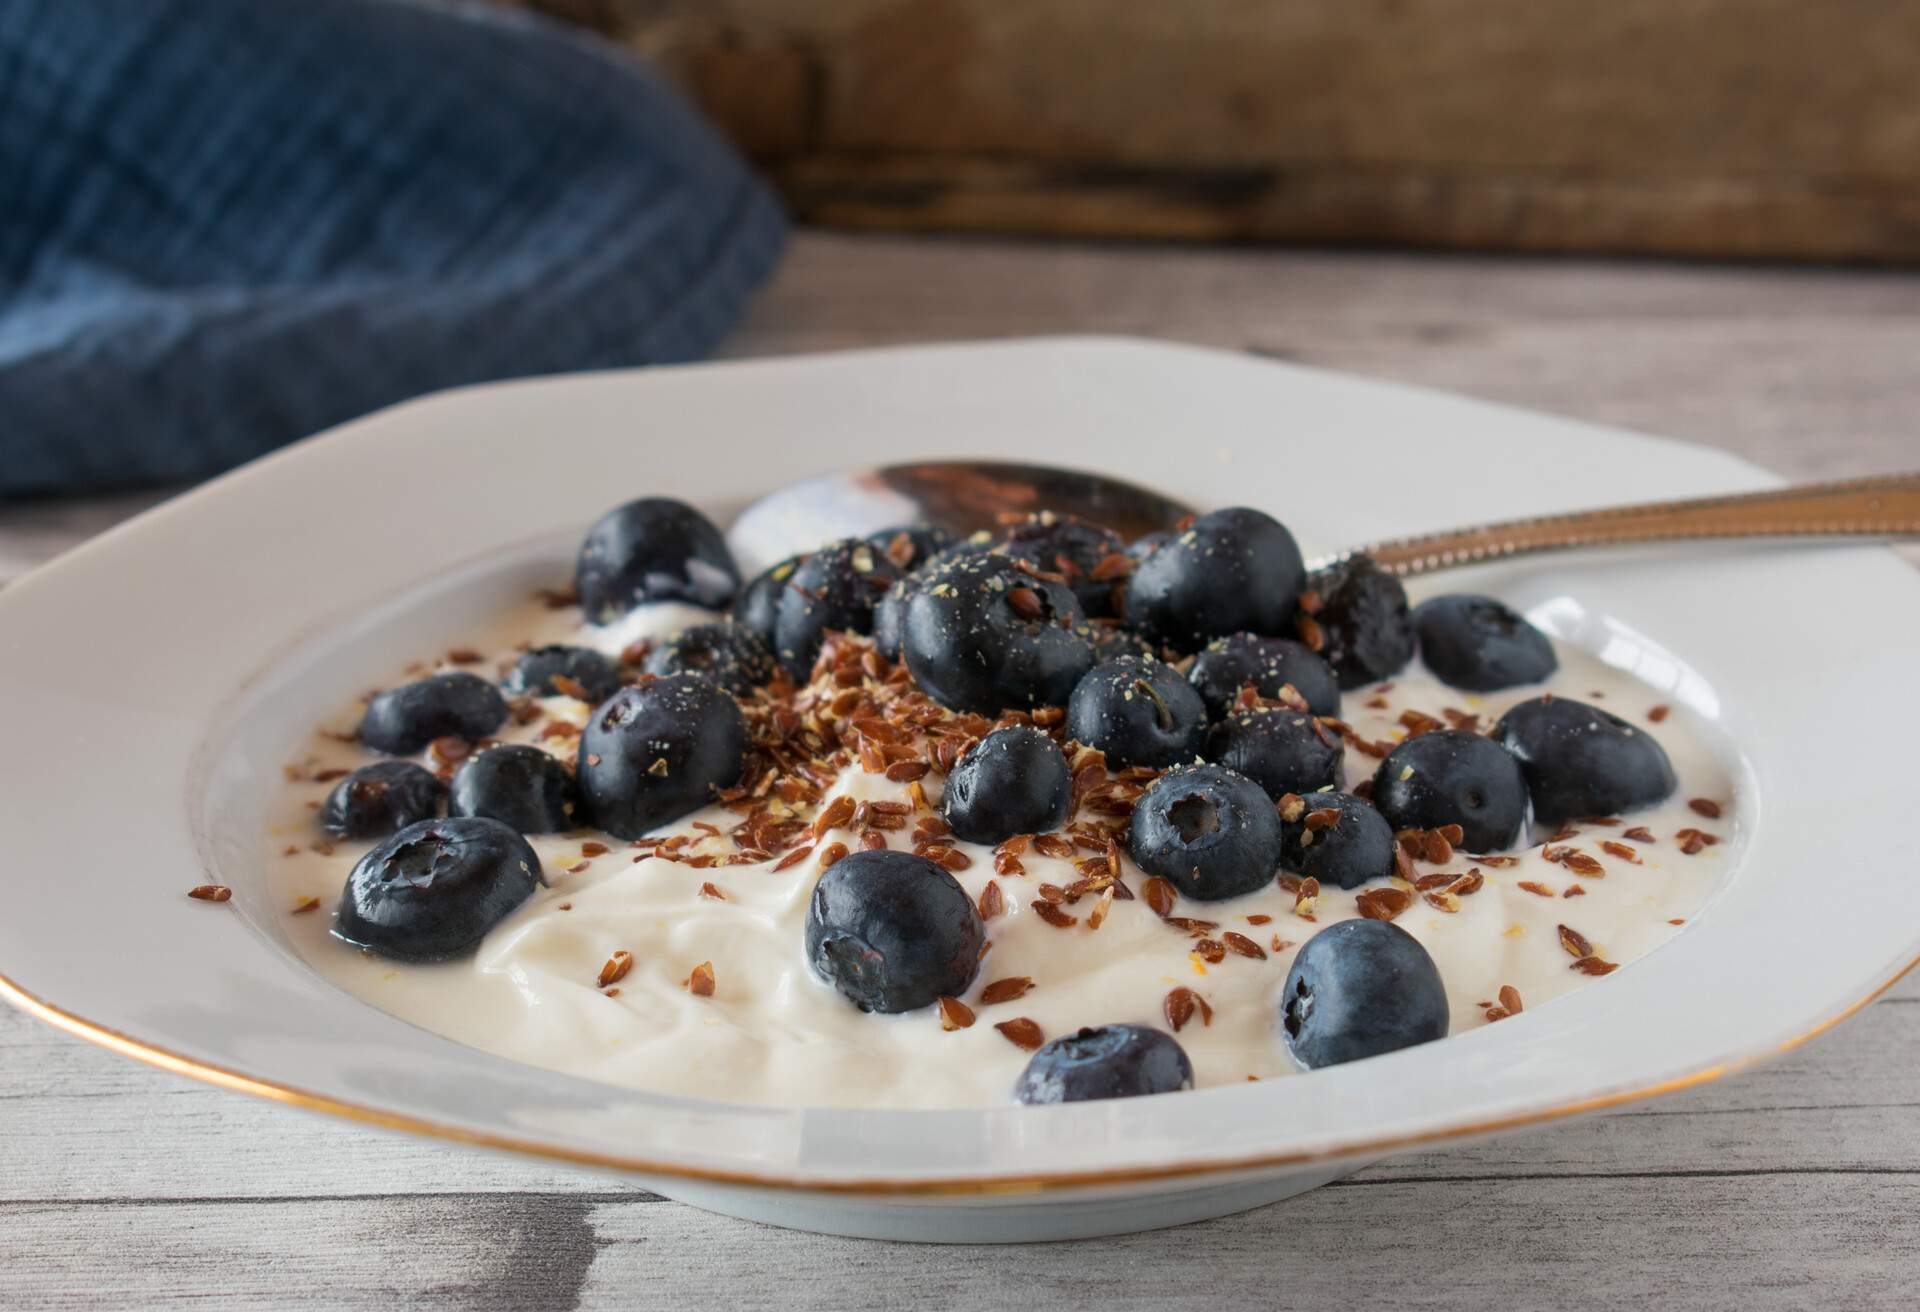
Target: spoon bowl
{"type": "Point", "coordinates": [960, 496]}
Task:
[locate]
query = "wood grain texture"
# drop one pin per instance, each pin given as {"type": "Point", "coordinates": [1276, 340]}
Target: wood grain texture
{"type": "Point", "coordinates": [1699, 127]}
{"type": "Point", "coordinates": [1792, 1185]}
{"type": "Point", "coordinates": [1493, 1244]}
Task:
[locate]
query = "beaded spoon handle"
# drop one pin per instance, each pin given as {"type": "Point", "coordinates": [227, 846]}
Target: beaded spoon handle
{"type": "Point", "coordinates": [1885, 506]}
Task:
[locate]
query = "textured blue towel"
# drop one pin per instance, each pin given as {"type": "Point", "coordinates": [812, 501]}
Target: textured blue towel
{"type": "Point", "coordinates": [225, 224]}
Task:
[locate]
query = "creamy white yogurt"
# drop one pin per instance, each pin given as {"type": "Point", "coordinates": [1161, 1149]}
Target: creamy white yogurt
{"type": "Point", "coordinates": [773, 1033]}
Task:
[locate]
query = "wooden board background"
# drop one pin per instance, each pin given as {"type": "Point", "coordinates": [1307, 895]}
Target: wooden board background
{"type": "Point", "coordinates": [1707, 128]}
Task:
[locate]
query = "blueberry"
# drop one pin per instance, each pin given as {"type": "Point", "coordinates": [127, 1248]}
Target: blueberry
{"type": "Point", "coordinates": [1111, 638]}
{"type": "Point", "coordinates": [522, 787]}
{"type": "Point", "coordinates": [381, 798]}
{"type": "Point", "coordinates": [1362, 626]}
{"type": "Point", "coordinates": [658, 750]}
{"type": "Point", "coordinates": [1478, 644]}
{"type": "Point", "coordinates": [909, 546]}
{"type": "Point", "coordinates": [724, 653]}
{"type": "Point", "coordinates": [977, 543]}
{"type": "Point", "coordinates": [1453, 778]}
{"type": "Point", "coordinates": [1359, 989]}
{"type": "Point", "coordinates": [403, 720]}
{"type": "Point", "coordinates": [1282, 751]}
{"type": "Point", "coordinates": [890, 612]}
{"type": "Point", "coordinates": [890, 617]}
{"type": "Point", "coordinates": [1355, 848]}
{"type": "Point", "coordinates": [1071, 548]}
{"type": "Point", "coordinates": [758, 605]}
{"type": "Point", "coordinates": [1212, 832]}
{"type": "Point", "coordinates": [1112, 1061]}
{"type": "Point", "coordinates": [534, 673]}
{"type": "Point", "coordinates": [833, 590]}
{"type": "Point", "coordinates": [893, 931]}
{"type": "Point", "coordinates": [1267, 665]}
{"type": "Point", "coordinates": [981, 634]}
{"type": "Point", "coordinates": [1233, 570]}
{"type": "Point", "coordinates": [654, 549]}
{"type": "Point", "coordinates": [1138, 711]}
{"type": "Point", "coordinates": [1579, 760]}
{"type": "Point", "coordinates": [435, 889]}
{"type": "Point", "coordinates": [1013, 781]}
{"type": "Point", "coordinates": [1148, 543]}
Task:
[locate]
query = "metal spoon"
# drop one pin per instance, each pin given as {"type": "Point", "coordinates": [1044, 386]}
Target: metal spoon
{"type": "Point", "coordinates": [962, 496]}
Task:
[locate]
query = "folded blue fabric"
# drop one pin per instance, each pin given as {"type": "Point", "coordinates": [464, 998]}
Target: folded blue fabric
{"type": "Point", "coordinates": [225, 224]}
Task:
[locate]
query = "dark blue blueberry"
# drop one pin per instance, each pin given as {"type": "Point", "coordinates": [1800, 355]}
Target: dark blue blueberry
{"type": "Point", "coordinates": [1247, 660]}
{"type": "Point", "coordinates": [982, 634]}
{"type": "Point", "coordinates": [1232, 571]}
{"type": "Point", "coordinates": [893, 931]}
{"type": "Point", "coordinates": [522, 787]}
{"type": "Point", "coordinates": [403, 720]}
{"type": "Point", "coordinates": [833, 590]}
{"type": "Point", "coordinates": [433, 890]}
{"type": "Point", "coordinates": [724, 652]}
{"type": "Point", "coordinates": [1071, 548]}
{"type": "Point", "coordinates": [657, 751]}
{"type": "Point", "coordinates": [890, 617]}
{"type": "Point", "coordinates": [381, 798]}
{"type": "Point", "coordinates": [1112, 1061]}
{"type": "Point", "coordinates": [758, 605]}
{"type": "Point", "coordinates": [933, 548]}
{"type": "Point", "coordinates": [977, 543]}
{"type": "Point", "coordinates": [1013, 781]}
{"type": "Point", "coordinates": [1138, 711]}
{"type": "Point", "coordinates": [1579, 760]}
{"type": "Point", "coordinates": [654, 549]}
{"type": "Point", "coordinates": [890, 612]}
{"type": "Point", "coordinates": [1110, 638]}
{"type": "Point", "coordinates": [533, 674]}
{"type": "Point", "coordinates": [1359, 989]}
{"type": "Point", "coordinates": [1148, 543]}
{"type": "Point", "coordinates": [1212, 832]}
{"type": "Point", "coordinates": [910, 546]}
{"type": "Point", "coordinates": [1478, 644]}
{"type": "Point", "coordinates": [1355, 848]}
{"type": "Point", "coordinates": [1282, 751]}
{"type": "Point", "coordinates": [1362, 628]}
{"type": "Point", "coordinates": [1454, 778]}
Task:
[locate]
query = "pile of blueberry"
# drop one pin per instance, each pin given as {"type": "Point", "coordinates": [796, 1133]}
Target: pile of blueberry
{"type": "Point", "coordinates": [653, 750]}
{"type": "Point", "coordinates": [1207, 654]}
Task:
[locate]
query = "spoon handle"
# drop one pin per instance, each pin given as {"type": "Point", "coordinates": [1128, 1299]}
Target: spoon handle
{"type": "Point", "coordinates": [1886, 506]}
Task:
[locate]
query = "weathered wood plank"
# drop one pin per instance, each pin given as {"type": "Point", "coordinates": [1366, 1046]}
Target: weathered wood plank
{"type": "Point", "coordinates": [32, 533]}
{"type": "Point", "coordinates": [1464, 208]}
{"type": "Point", "coordinates": [1702, 127]}
{"type": "Point", "coordinates": [1470, 1244]}
{"type": "Point", "coordinates": [1809, 373]}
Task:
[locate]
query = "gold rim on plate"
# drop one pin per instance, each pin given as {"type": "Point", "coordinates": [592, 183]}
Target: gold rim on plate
{"type": "Point", "coordinates": [224, 1078]}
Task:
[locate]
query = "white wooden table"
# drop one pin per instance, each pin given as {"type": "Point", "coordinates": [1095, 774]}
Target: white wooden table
{"type": "Point", "coordinates": [1796, 1185]}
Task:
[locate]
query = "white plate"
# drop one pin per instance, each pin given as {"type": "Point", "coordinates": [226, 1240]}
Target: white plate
{"type": "Point", "coordinates": [154, 680]}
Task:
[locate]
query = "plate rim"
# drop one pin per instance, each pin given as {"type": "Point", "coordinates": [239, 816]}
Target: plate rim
{"type": "Point", "coordinates": [218, 1074]}
{"type": "Point", "coordinates": [213, 1073]}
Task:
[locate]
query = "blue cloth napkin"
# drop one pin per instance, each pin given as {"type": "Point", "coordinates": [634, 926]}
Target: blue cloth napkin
{"type": "Point", "coordinates": [225, 224]}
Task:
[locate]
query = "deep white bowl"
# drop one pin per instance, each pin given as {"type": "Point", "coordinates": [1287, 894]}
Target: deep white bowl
{"type": "Point", "coordinates": [154, 680]}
